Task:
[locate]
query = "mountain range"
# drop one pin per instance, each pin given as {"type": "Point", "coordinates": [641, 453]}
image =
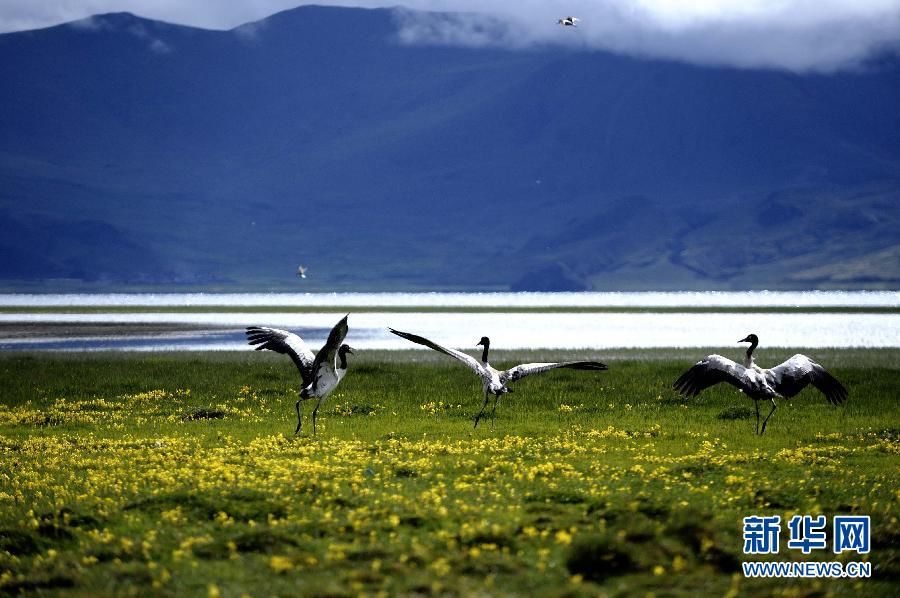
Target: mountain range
{"type": "Point", "coordinates": [141, 154]}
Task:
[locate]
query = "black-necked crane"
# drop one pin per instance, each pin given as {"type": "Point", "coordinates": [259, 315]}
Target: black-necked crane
{"type": "Point", "coordinates": [782, 381]}
{"type": "Point", "coordinates": [495, 382]}
{"type": "Point", "coordinates": [321, 373]}
{"type": "Point", "coordinates": [568, 21]}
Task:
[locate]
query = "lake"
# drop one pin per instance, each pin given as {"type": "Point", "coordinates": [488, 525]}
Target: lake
{"type": "Point", "coordinates": [79, 322]}
{"type": "Point", "coordinates": [642, 299]}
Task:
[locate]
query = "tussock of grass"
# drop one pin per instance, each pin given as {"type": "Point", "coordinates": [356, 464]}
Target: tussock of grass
{"type": "Point", "coordinates": [737, 413]}
{"type": "Point", "coordinates": [594, 483]}
{"type": "Point", "coordinates": [203, 413]}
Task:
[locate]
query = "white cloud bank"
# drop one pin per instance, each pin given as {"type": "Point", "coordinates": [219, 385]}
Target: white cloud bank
{"type": "Point", "coordinates": [800, 35]}
{"type": "Point", "coordinates": [797, 35]}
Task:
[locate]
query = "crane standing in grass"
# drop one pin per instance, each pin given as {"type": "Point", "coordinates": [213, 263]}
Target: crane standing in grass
{"type": "Point", "coordinates": [494, 381]}
{"type": "Point", "coordinates": [321, 373]}
{"type": "Point", "coordinates": [782, 381]}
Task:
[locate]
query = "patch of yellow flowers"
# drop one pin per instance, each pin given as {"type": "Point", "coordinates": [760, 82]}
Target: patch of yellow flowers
{"type": "Point", "coordinates": [474, 495]}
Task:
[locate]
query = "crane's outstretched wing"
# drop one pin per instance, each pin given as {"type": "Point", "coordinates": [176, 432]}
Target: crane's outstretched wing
{"type": "Point", "coordinates": [421, 340]}
{"type": "Point", "coordinates": [328, 353]}
{"type": "Point", "coordinates": [527, 369]}
{"type": "Point", "coordinates": [709, 371]}
{"type": "Point", "coordinates": [793, 375]}
{"type": "Point", "coordinates": [287, 343]}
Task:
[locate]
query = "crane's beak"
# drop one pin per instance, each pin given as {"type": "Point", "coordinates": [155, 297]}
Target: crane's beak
{"type": "Point", "coordinates": [745, 340]}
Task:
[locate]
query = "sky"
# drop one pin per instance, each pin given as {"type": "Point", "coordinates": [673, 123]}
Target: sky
{"type": "Point", "coordinates": [796, 35]}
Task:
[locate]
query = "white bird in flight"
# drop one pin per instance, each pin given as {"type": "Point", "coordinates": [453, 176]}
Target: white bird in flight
{"type": "Point", "coordinates": [568, 21]}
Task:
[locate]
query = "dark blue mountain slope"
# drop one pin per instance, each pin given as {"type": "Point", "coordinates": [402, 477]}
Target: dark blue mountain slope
{"type": "Point", "coordinates": [315, 136]}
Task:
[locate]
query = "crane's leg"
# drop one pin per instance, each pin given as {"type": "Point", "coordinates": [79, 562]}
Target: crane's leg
{"type": "Point", "coordinates": [774, 407]}
{"type": "Point", "coordinates": [319, 402]}
{"type": "Point", "coordinates": [483, 405]}
{"type": "Point", "coordinates": [494, 410]}
{"type": "Point", "coordinates": [299, 419]}
{"type": "Point", "coordinates": [756, 404]}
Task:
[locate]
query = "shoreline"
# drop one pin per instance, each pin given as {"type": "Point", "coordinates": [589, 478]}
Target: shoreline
{"type": "Point", "coordinates": [69, 330]}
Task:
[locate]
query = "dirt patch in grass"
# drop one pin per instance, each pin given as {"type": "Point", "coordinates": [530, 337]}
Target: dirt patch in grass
{"type": "Point", "coordinates": [18, 542]}
{"type": "Point", "coordinates": [70, 518]}
{"type": "Point", "coordinates": [28, 585]}
{"type": "Point", "coordinates": [202, 414]}
{"type": "Point", "coordinates": [597, 558]}
{"type": "Point", "coordinates": [736, 413]}
{"type": "Point", "coordinates": [264, 541]}
{"type": "Point", "coordinates": [241, 506]}
{"type": "Point", "coordinates": [560, 498]}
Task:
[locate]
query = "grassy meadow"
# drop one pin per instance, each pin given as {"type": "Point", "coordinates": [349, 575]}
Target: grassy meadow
{"type": "Point", "coordinates": [178, 474]}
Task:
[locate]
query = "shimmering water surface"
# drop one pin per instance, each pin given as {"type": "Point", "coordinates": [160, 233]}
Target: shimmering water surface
{"type": "Point", "coordinates": [646, 299]}
{"type": "Point", "coordinates": [223, 330]}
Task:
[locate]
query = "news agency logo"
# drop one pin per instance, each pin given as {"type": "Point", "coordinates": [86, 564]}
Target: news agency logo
{"type": "Point", "coordinates": [807, 534]}
{"type": "Point", "coordinates": [850, 533]}
{"type": "Point", "coordinates": [761, 534]}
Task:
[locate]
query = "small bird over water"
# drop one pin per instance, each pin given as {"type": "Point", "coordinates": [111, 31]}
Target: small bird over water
{"type": "Point", "coordinates": [301, 271]}
{"type": "Point", "coordinates": [568, 21]}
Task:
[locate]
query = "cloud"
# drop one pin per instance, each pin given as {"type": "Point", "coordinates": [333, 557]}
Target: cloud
{"type": "Point", "coordinates": [250, 32]}
{"type": "Point", "coordinates": [87, 24]}
{"type": "Point", "coordinates": [799, 35]}
{"type": "Point", "coordinates": [138, 30]}
{"type": "Point", "coordinates": [160, 47]}
{"type": "Point", "coordinates": [455, 29]}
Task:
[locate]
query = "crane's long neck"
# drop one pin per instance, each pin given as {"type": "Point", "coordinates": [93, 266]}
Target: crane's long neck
{"type": "Point", "coordinates": [342, 355]}
{"type": "Point", "coordinates": [748, 361]}
{"type": "Point", "coordinates": [484, 352]}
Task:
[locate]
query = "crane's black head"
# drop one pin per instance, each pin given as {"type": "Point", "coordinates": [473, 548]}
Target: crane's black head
{"type": "Point", "coordinates": [342, 355]}
{"type": "Point", "coordinates": [751, 338]}
{"type": "Point", "coordinates": [484, 341]}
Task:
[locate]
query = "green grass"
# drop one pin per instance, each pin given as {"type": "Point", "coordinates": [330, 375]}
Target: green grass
{"type": "Point", "coordinates": [178, 474]}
